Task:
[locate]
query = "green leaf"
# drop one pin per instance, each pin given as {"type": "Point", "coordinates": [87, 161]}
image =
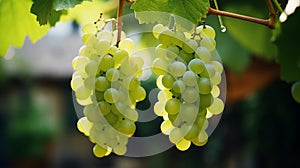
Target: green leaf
{"type": "Point", "coordinates": [252, 36]}
{"type": "Point", "coordinates": [65, 4]}
{"type": "Point", "coordinates": [16, 23]}
{"type": "Point", "coordinates": [288, 48]}
{"type": "Point", "coordinates": [44, 10]}
{"type": "Point", "coordinates": [161, 10]}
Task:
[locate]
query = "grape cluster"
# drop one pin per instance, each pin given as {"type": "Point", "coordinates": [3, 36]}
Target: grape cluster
{"type": "Point", "coordinates": [188, 77]}
{"type": "Point", "coordinates": [106, 83]}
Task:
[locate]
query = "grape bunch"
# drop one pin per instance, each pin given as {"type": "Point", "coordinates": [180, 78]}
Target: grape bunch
{"type": "Point", "coordinates": [106, 84]}
{"type": "Point", "coordinates": [188, 77]}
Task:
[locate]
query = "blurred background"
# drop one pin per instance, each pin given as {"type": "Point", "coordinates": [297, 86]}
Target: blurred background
{"type": "Point", "coordinates": [259, 126]}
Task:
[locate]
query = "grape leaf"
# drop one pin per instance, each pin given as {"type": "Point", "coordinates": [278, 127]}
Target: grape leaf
{"type": "Point", "coordinates": [254, 37]}
{"type": "Point", "coordinates": [66, 4]}
{"type": "Point", "coordinates": [161, 10]}
{"type": "Point", "coordinates": [288, 48]}
{"type": "Point", "coordinates": [16, 23]}
{"type": "Point", "coordinates": [44, 10]}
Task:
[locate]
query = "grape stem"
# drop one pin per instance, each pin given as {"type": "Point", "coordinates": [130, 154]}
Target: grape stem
{"type": "Point", "coordinates": [119, 21]}
{"type": "Point", "coordinates": [270, 22]}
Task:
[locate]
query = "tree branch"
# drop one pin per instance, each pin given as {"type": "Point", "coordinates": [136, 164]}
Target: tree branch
{"type": "Point", "coordinates": [267, 22]}
{"type": "Point", "coordinates": [119, 20]}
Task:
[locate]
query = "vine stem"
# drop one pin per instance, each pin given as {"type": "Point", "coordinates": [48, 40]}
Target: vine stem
{"type": "Point", "coordinates": [267, 22]}
{"type": "Point", "coordinates": [119, 20]}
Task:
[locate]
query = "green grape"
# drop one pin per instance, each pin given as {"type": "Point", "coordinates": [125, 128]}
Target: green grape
{"type": "Point", "coordinates": [204, 85]}
{"type": "Point", "coordinates": [190, 46]}
{"type": "Point", "coordinates": [190, 95]}
{"type": "Point", "coordinates": [127, 45]}
{"type": "Point", "coordinates": [208, 43]}
{"type": "Point", "coordinates": [157, 29]}
{"type": "Point", "coordinates": [120, 56]}
{"type": "Point", "coordinates": [120, 150]}
{"type": "Point", "coordinates": [88, 39]}
{"type": "Point", "coordinates": [91, 67]}
{"type": "Point", "coordinates": [217, 66]}
{"type": "Point", "coordinates": [172, 52]}
{"type": "Point", "coordinates": [112, 74]}
{"type": "Point", "coordinates": [217, 106]}
{"type": "Point", "coordinates": [210, 69]}
{"type": "Point", "coordinates": [128, 68]}
{"type": "Point", "coordinates": [131, 83]}
{"type": "Point", "coordinates": [111, 95]}
{"type": "Point", "coordinates": [115, 36]}
{"type": "Point", "coordinates": [193, 132]}
{"type": "Point", "coordinates": [177, 68]}
{"type": "Point", "coordinates": [91, 112]}
{"type": "Point", "coordinates": [183, 145]}
{"type": "Point", "coordinates": [111, 118]}
{"type": "Point", "coordinates": [89, 82]}
{"type": "Point", "coordinates": [89, 28]}
{"type": "Point", "coordinates": [79, 62]}
{"type": "Point", "coordinates": [196, 65]}
{"type": "Point", "coordinates": [185, 57]}
{"type": "Point", "coordinates": [165, 37]}
{"type": "Point", "coordinates": [216, 79]}
{"type": "Point", "coordinates": [164, 95]}
{"type": "Point", "coordinates": [172, 106]}
{"type": "Point", "coordinates": [84, 125]}
{"type": "Point", "coordinates": [126, 127]}
{"type": "Point", "coordinates": [175, 135]}
{"type": "Point", "coordinates": [159, 109]}
{"type": "Point", "coordinates": [189, 78]}
{"type": "Point", "coordinates": [139, 93]}
{"type": "Point", "coordinates": [82, 93]}
{"type": "Point", "coordinates": [204, 54]}
{"type": "Point", "coordinates": [99, 95]}
{"type": "Point", "coordinates": [105, 35]}
{"type": "Point", "coordinates": [207, 31]}
{"type": "Point", "coordinates": [87, 51]}
{"type": "Point", "coordinates": [130, 113]}
{"type": "Point", "coordinates": [167, 81]}
{"type": "Point", "coordinates": [159, 66]}
{"type": "Point", "coordinates": [205, 100]}
{"type": "Point", "coordinates": [101, 47]}
{"type": "Point", "coordinates": [188, 112]}
{"type": "Point", "coordinates": [101, 84]}
{"type": "Point", "coordinates": [106, 63]}
{"type": "Point", "coordinates": [76, 82]}
{"type": "Point", "coordinates": [166, 127]}
{"type": "Point", "coordinates": [178, 86]}
{"type": "Point", "coordinates": [296, 91]}
{"type": "Point", "coordinates": [99, 151]}
{"type": "Point", "coordinates": [104, 107]}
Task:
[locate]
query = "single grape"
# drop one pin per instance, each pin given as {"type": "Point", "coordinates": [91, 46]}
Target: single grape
{"type": "Point", "coordinates": [84, 125]}
{"type": "Point", "coordinates": [139, 93]}
{"type": "Point", "coordinates": [159, 66]}
{"type": "Point", "coordinates": [106, 63]}
{"type": "Point", "coordinates": [190, 46]}
{"type": "Point", "coordinates": [166, 127]}
{"type": "Point", "coordinates": [175, 135]}
{"type": "Point", "coordinates": [82, 92]}
{"type": "Point", "coordinates": [296, 91]}
{"type": "Point", "coordinates": [104, 107]}
{"type": "Point", "coordinates": [183, 145]}
{"type": "Point", "coordinates": [208, 43]}
{"type": "Point", "coordinates": [190, 95]}
{"type": "Point", "coordinates": [127, 44]}
{"type": "Point", "coordinates": [112, 74]}
{"type": "Point", "coordinates": [111, 95]}
{"type": "Point", "coordinates": [99, 151]}
{"type": "Point", "coordinates": [204, 85]}
{"type": "Point", "coordinates": [177, 68]}
{"type": "Point", "coordinates": [178, 86]}
{"type": "Point", "coordinates": [167, 81]}
{"type": "Point", "coordinates": [101, 84]}
{"type": "Point", "coordinates": [189, 78]}
{"type": "Point", "coordinates": [172, 106]}
{"type": "Point", "coordinates": [204, 54]}
{"type": "Point", "coordinates": [196, 65]}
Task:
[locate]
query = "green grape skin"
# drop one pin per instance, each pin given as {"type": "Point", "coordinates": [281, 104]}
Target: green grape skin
{"type": "Point", "coordinates": [99, 95]}
{"type": "Point", "coordinates": [204, 54]}
{"type": "Point", "coordinates": [111, 118]}
{"type": "Point", "coordinates": [91, 112]}
{"type": "Point", "coordinates": [172, 52]}
{"type": "Point", "coordinates": [192, 133]}
{"type": "Point", "coordinates": [190, 46]}
{"type": "Point", "coordinates": [106, 63]}
{"type": "Point", "coordinates": [190, 95]}
{"type": "Point", "coordinates": [139, 93]}
{"type": "Point", "coordinates": [172, 106]}
{"type": "Point", "coordinates": [111, 95]}
{"type": "Point", "coordinates": [196, 65]}
{"type": "Point", "coordinates": [208, 43]}
{"type": "Point", "coordinates": [102, 84]}
{"type": "Point", "coordinates": [167, 81]}
{"type": "Point", "coordinates": [296, 91]}
{"type": "Point", "coordinates": [177, 68]}
{"type": "Point", "coordinates": [104, 107]}
{"type": "Point", "coordinates": [188, 113]}
{"type": "Point", "coordinates": [205, 100]}
{"type": "Point", "coordinates": [157, 29]}
{"type": "Point", "coordinates": [120, 56]}
{"type": "Point", "coordinates": [126, 127]}
{"type": "Point", "coordinates": [112, 74]}
{"type": "Point", "coordinates": [189, 78]}
{"type": "Point", "coordinates": [175, 135]}
{"type": "Point", "coordinates": [207, 31]}
{"type": "Point", "coordinates": [204, 85]}
{"type": "Point", "coordinates": [178, 86]}
{"type": "Point", "coordinates": [185, 57]}
{"type": "Point", "coordinates": [82, 93]}
{"type": "Point", "coordinates": [99, 151]}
